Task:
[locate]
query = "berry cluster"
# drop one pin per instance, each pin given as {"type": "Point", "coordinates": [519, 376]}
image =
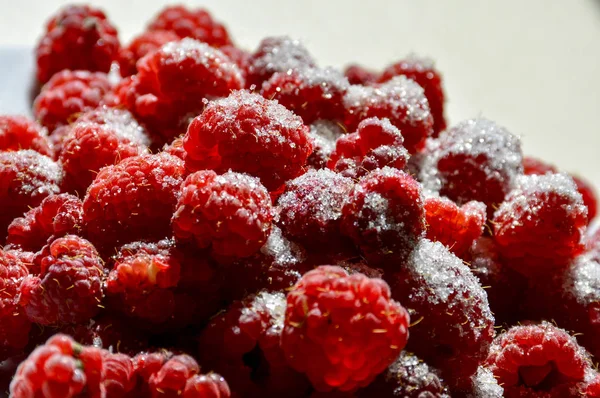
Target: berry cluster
{"type": "Point", "coordinates": [185, 218]}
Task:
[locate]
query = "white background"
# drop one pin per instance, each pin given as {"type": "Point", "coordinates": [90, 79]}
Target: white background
{"type": "Point", "coordinates": [532, 66]}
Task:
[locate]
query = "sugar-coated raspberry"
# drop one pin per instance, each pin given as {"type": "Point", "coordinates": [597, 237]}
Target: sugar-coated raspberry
{"type": "Point", "coordinates": [538, 360]}
{"type": "Point", "coordinates": [376, 144]}
{"type": "Point", "coordinates": [422, 71]}
{"type": "Point", "coordinates": [323, 134]}
{"type": "Point", "coordinates": [248, 133]}
{"type": "Point", "coordinates": [77, 37]}
{"type": "Point", "coordinates": [384, 216]}
{"type": "Point", "coordinates": [141, 45]}
{"type": "Point", "coordinates": [69, 286]}
{"type": "Point", "coordinates": [310, 93]}
{"type": "Point", "coordinates": [56, 216]}
{"type": "Point", "coordinates": [195, 23]}
{"type": "Point", "coordinates": [19, 132]}
{"type": "Point", "coordinates": [485, 385]}
{"type": "Point", "coordinates": [102, 138]}
{"type": "Point", "coordinates": [239, 56]}
{"type": "Point", "coordinates": [456, 227]}
{"type": "Point", "coordinates": [175, 148]}
{"type": "Point", "coordinates": [407, 377]}
{"type": "Point", "coordinates": [211, 385]}
{"type": "Point", "coordinates": [342, 330]}
{"type": "Point", "coordinates": [536, 166]}
{"type": "Point", "coordinates": [70, 93]}
{"type": "Point", "coordinates": [440, 290]}
{"type": "Point", "coordinates": [540, 225]}
{"type": "Point", "coordinates": [26, 178]}
{"type": "Point", "coordinates": [133, 199]}
{"type": "Point", "coordinates": [400, 100]}
{"type": "Point", "coordinates": [593, 388]}
{"type": "Point", "coordinates": [357, 74]}
{"type": "Point", "coordinates": [276, 54]}
{"type": "Point", "coordinates": [230, 213]}
{"type": "Point", "coordinates": [474, 160]}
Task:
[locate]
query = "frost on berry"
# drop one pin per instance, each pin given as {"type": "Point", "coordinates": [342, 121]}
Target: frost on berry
{"type": "Point", "coordinates": [14, 325]}
{"type": "Point", "coordinates": [475, 160]}
{"type": "Point", "coordinates": [452, 322]}
{"type": "Point", "coordinates": [485, 385]}
{"type": "Point", "coordinates": [540, 226]}
{"type": "Point", "coordinates": [323, 134]}
{"type": "Point", "coordinates": [141, 45]}
{"type": "Point", "coordinates": [400, 100]}
{"type": "Point", "coordinates": [247, 133]}
{"type": "Point", "coordinates": [357, 74]}
{"type": "Point", "coordinates": [342, 330]}
{"type": "Point", "coordinates": [18, 132]}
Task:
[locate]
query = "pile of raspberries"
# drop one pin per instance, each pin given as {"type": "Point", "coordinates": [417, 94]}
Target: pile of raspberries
{"type": "Point", "coordinates": [183, 218]}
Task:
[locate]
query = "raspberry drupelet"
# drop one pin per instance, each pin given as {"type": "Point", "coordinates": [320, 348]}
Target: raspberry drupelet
{"type": "Point", "coordinates": [540, 226]}
{"type": "Point", "coordinates": [400, 100]}
{"type": "Point", "coordinates": [323, 134]}
{"type": "Point", "coordinates": [485, 385]}
{"type": "Point", "coordinates": [133, 200]}
{"type": "Point", "coordinates": [19, 132]}
{"type": "Point", "coordinates": [439, 290]}
{"type": "Point", "coordinates": [142, 44]}
{"type": "Point", "coordinates": [360, 75]}
{"type": "Point", "coordinates": [248, 133]}
{"type": "Point", "coordinates": [342, 330]}
{"type": "Point", "coordinates": [384, 216]}
{"type": "Point", "coordinates": [375, 144]}
{"type": "Point", "coordinates": [70, 93]}
{"type": "Point", "coordinates": [230, 213]}
{"type": "Point", "coordinates": [77, 37]}
{"type": "Point", "coordinates": [422, 71]}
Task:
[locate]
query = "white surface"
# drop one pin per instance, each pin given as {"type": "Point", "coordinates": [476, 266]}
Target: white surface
{"type": "Point", "coordinates": [533, 66]}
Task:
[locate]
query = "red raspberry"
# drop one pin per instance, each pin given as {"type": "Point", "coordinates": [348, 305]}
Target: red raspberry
{"type": "Point", "coordinates": [475, 160]}
{"type": "Point", "coordinates": [538, 360]}
{"type": "Point", "coordinates": [70, 93]}
{"type": "Point", "coordinates": [231, 213]}
{"type": "Point", "coordinates": [195, 23]}
{"type": "Point", "coordinates": [113, 135]}
{"type": "Point", "coordinates": [535, 166]}
{"type": "Point", "coordinates": [540, 225]}
{"type": "Point", "coordinates": [456, 227]}
{"type": "Point", "coordinates": [357, 74]}
{"type": "Point", "coordinates": [342, 330]}
{"type": "Point", "coordinates": [310, 209]}
{"type": "Point", "coordinates": [77, 37]}
{"type": "Point", "coordinates": [276, 54]}
{"type": "Point", "coordinates": [56, 216]}
{"type": "Point", "coordinates": [384, 215]}
{"type": "Point", "coordinates": [310, 93]}
{"type": "Point", "coordinates": [132, 200]}
{"type": "Point", "coordinates": [324, 135]}
{"type": "Point", "coordinates": [142, 44]}
{"type": "Point", "coordinates": [247, 133]}
{"type": "Point", "coordinates": [206, 386]}
{"type": "Point", "coordinates": [18, 132]}
{"type": "Point", "coordinates": [118, 375]}
{"type": "Point", "coordinates": [400, 100]}
{"type": "Point", "coordinates": [422, 71]}
{"type": "Point", "coordinates": [376, 143]}
{"type": "Point", "coordinates": [440, 290]}
{"type": "Point", "coordinates": [593, 388]}
{"type": "Point", "coordinates": [175, 148]}
{"type": "Point", "coordinates": [170, 380]}
{"type": "Point", "coordinates": [239, 56]}
{"type": "Point", "coordinates": [407, 377]}
{"type": "Point", "coordinates": [26, 178]}
{"type": "Point", "coordinates": [485, 385]}
{"type": "Point", "coordinates": [69, 286]}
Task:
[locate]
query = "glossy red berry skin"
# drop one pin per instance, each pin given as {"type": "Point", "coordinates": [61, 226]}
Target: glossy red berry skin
{"type": "Point", "coordinates": [19, 132]}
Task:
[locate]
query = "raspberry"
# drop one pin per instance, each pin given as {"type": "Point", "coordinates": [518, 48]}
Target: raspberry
{"type": "Point", "coordinates": [357, 74]}
{"type": "Point", "coordinates": [485, 385]}
{"type": "Point", "coordinates": [77, 37]}
{"type": "Point", "coordinates": [310, 93]}
{"type": "Point", "coordinates": [400, 100]}
{"type": "Point", "coordinates": [26, 178]}
{"type": "Point", "coordinates": [324, 135]}
{"type": "Point", "coordinates": [100, 138]}
{"type": "Point", "coordinates": [276, 54]}
{"type": "Point", "coordinates": [384, 215]}
{"type": "Point", "coordinates": [376, 143]}
{"type": "Point", "coordinates": [173, 375]}
{"type": "Point", "coordinates": [132, 200]}
{"type": "Point", "coordinates": [231, 213]}
{"type": "Point", "coordinates": [18, 132]}
{"type": "Point", "coordinates": [175, 148]}
{"type": "Point", "coordinates": [56, 216]}
{"type": "Point", "coordinates": [69, 286]}
{"type": "Point", "coordinates": [407, 377]}
{"type": "Point", "coordinates": [239, 56]}
{"type": "Point", "coordinates": [356, 312]}
{"type": "Point", "coordinates": [70, 93]}
{"type": "Point", "coordinates": [310, 209]}
{"type": "Point", "coordinates": [143, 44]}
{"type": "Point", "coordinates": [242, 343]}
{"type": "Point", "coordinates": [532, 360]}
{"type": "Point", "coordinates": [195, 23]}
{"type": "Point", "coordinates": [456, 227]}
{"type": "Point", "coordinates": [440, 290]}
{"type": "Point", "coordinates": [540, 226]}
{"type": "Point", "coordinates": [206, 386]}
{"type": "Point", "coordinates": [535, 166]}
{"type": "Point", "coordinates": [247, 133]}
{"type": "Point", "coordinates": [593, 389]}
{"type": "Point", "coordinates": [422, 71]}
{"type": "Point", "coordinates": [475, 160]}
{"type": "Point", "coordinates": [118, 375]}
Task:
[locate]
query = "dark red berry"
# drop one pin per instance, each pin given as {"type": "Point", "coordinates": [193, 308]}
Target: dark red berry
{"type": "Point", "coordinates": [19, 132]}
{"type": "Point", "coordinates": [323, 134]}
{"type": "Point", "coordinates": [357, 74]}
{"type": "Point", "coordinates": [14, 325]}
{"type": "Point", "coordinates": [141, 45]}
